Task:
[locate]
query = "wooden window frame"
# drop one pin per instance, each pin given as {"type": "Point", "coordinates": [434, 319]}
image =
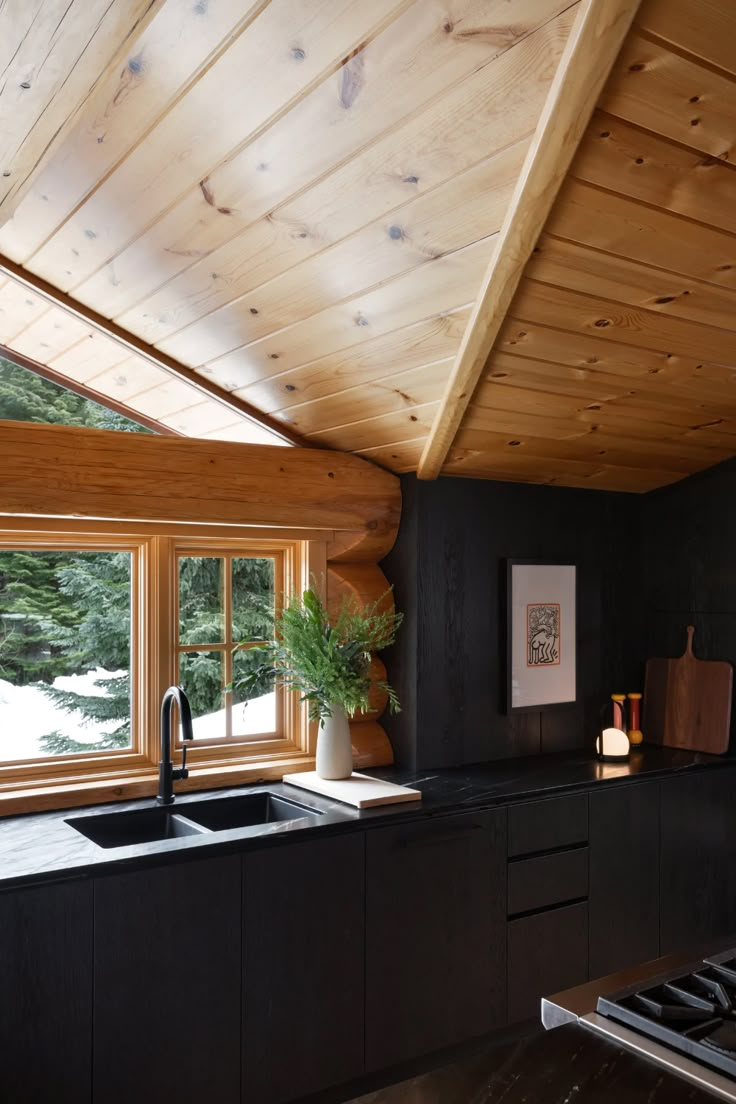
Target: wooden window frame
{"type": "Point", "coordinates": [294, 735]}
{"type": "Point", "coordinates": [122, 760]}
{"type": "Point", "coordinates": [90, 777]}
{"type": "Point", "coordinates": [226, 646]}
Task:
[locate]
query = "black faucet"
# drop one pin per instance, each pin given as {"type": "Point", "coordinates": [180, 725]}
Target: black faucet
{"type": "Point", "coordinates": [166, 773]}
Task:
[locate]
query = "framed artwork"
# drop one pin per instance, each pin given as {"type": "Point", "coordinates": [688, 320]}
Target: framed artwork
{"type": "Point", "coordinates": [541, 645]}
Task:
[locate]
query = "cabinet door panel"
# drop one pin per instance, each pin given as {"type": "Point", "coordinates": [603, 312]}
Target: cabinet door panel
{"type": "Point", "coordinates": [435, 935]}
{"type": "Point", "coordinates": [46, 994]}
{"type": "Point", "coordinates": [303, 908]}
{"type": "Point", "coordinates": [547, 952]}
{"type": "Point", "coordinates": [698, 872]}
{"type": "Point", "coordinates": [167, 984]}
{"type": "Point", "coordinates": [624, 877]}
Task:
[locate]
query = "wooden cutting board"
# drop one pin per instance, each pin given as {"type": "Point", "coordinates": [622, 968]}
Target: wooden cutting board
{"type": "Point", "coordinates": [359, 790]}
{"type": "Point", "coordinates": [687, 702]}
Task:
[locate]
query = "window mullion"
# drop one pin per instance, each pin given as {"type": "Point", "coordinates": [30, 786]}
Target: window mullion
{"type": "Point", "coordinates": [162, 666]}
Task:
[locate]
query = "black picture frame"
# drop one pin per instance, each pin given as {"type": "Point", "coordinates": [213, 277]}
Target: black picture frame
{"type": "Point", "coordinates": [508, 608]}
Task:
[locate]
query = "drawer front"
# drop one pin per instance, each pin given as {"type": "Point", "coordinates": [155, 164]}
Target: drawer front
{"type": "Point", "coordinates": [547, 952]}
{"type": "Point", "coordinates": [547, 880]}
{"type": "Point", "coordinates": [546, 825]}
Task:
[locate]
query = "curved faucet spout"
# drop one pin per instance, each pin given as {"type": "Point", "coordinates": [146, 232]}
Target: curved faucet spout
{"type": "Point", "coordinates": [166, 772]}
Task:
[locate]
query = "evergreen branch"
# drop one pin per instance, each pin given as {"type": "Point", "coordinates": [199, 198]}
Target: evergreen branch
{"type": "Point", "coordinates": [328, 664]}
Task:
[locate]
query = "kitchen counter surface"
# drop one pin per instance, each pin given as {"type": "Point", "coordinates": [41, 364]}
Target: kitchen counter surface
{"type": "Point", "coordinates": [42, 846]}
{"type": "Point", "coordinates": [542, 775]}
{"type": "Point", "coordinates": [569, 1065]}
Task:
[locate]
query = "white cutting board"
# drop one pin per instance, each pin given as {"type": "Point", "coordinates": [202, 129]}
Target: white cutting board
{"type": "Point", "coordinates": [358, 790]}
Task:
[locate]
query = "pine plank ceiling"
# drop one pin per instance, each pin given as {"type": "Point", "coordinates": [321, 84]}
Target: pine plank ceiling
{"type": "Point", "coordinates": [287, 211]}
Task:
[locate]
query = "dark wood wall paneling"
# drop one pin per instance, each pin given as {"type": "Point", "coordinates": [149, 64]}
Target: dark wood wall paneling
{"type": "Point", "coordinates": [400, 568]}
{"type": "Point", "coordinates": [446, 567]}
{"type": "Point", "coordinates": [689, 557]}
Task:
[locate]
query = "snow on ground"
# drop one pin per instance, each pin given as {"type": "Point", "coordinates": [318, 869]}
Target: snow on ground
{"type": "Point", "coordinates": [259, 715]}
{"type": "Point", "coordinates": [27, 715]}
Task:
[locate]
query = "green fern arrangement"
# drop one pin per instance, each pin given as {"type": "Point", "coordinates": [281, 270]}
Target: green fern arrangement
{"type": "Point", "coordinates": [327, 664]}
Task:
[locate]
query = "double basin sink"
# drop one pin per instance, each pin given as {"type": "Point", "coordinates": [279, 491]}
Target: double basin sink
{"type": "Point", "coordinates": [194, 818]}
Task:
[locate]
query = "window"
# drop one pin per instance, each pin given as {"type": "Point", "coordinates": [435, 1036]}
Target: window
{"type": "Point", "coordinates": [95, 626]}
{"type": "Point", "coordinates": [67, 628]}
{"type": "Point", "coordinates": [26, 396]}
{"type": "Point", "coordinates": [224, 600]}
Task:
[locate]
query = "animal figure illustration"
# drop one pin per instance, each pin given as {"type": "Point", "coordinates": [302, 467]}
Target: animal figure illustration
{"type": "Point", "coordinates": [543, 634]}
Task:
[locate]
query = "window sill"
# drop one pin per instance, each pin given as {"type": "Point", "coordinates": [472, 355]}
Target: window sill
{"type": "Point", "coordinates": [371, 748]}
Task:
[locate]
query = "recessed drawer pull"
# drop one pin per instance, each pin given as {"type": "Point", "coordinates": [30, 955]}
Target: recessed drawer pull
{"type": "Point", "coordinates": [549, 880]}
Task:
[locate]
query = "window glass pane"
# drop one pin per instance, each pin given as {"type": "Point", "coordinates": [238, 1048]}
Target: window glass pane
{"type": "Point", "coordinates": [253, 587]}
{"type": "Point", "coordinates": [65, 652]}
{"type": "Point", "coordinates": [202, 676]}
{"type": "Point", "coordinates": [200, 600]}
{"type": "Point", "coordinates": [256, 713]}
{"type": "Point", "coordinates": [27, 397]}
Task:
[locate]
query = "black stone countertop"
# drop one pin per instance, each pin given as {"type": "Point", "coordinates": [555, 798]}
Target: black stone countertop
{"type": "Point", "coordinates": [569, 1065]}
{"type": "Point", "coordinates": [42, 846]}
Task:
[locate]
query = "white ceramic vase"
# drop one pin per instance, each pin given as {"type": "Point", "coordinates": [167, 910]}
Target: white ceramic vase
{"type": "Point", "coordinates": [334, 749]}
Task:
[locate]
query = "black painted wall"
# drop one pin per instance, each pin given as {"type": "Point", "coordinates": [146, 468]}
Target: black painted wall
{"type": "Point", "coordinates": [689, 559]}
{"type": "Point", "coordinates": [448, 664]}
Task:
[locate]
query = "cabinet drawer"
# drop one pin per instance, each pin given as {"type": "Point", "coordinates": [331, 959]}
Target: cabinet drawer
{"type": "Point", "coordinates": [546, 952]}
{"type": "Point", "coordinates": [548, 880]}
{"type": "Point", "coordinates": [546, 825]}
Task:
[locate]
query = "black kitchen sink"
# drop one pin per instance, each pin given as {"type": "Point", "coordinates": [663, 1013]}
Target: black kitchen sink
{"type": "Point", "coordinates": [140, 826]}
{"type": "Point", "coordinates": [221, 813]}
{"type": "Point", "coordinates": [192, 818]}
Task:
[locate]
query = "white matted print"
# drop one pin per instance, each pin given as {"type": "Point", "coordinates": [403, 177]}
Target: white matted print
{"type": "Point", "coordinates": [541, 635]}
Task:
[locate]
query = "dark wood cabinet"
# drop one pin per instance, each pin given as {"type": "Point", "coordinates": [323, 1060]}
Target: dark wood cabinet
{"type": "Point", "coordinates": [548, 880]}
{"type": "Point", "coordinates": [624, 877]}
{"type": "Point", "coordinates": [435, 934]}
{"type": "Point", "coordinates": [547, 825]}
{"type": "Point", "coordinates": [303, 938]}
{"type": "Point", "coordinates": [167, 965]}
{"type": "Point", "coordinates": [46, 994]}
{"type": "Point", "coordinates": [265, 977]}
{"type": "Point", "coordinates": [547, 952]}
{"type": "Point", "coordinates": [698, 859]}
{"type": "Point", "coordinates": [547, 936]}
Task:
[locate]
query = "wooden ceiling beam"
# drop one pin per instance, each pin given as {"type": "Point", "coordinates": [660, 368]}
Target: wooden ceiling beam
{"type": "Point", "coordinates": [73, 472]}
{"type": "Point", "coordinates": [135, 345]}
{"type": "Point", "coordinates": [590, 52]}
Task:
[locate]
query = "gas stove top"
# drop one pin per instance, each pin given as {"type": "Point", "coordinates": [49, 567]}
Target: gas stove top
{"type": "Point", "coordinates": [678, 1012]}
{"type": "Point", "coordinates": [693, 1012]}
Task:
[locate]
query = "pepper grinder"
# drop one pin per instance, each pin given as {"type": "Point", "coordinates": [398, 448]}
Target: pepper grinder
{"type": "Point", "coordinates": [636, 735]}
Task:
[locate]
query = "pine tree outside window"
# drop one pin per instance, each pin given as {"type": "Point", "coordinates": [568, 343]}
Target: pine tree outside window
{"type": "Point", "coordinates": [224, 600]}
{"type": "Point", "coordinates": [67, 625]}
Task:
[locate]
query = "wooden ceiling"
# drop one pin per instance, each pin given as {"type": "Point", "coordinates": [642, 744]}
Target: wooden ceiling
{"type": "Point", "coordinates": [296, 199]}
{"type": "Point", "coordinates": [277, 220]}
{"type": "Point", "coordinates": [616, 364]}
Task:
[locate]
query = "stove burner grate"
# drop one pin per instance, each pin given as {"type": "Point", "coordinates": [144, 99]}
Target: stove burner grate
{"type": "Point", "coordinates": [693, 1012]}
